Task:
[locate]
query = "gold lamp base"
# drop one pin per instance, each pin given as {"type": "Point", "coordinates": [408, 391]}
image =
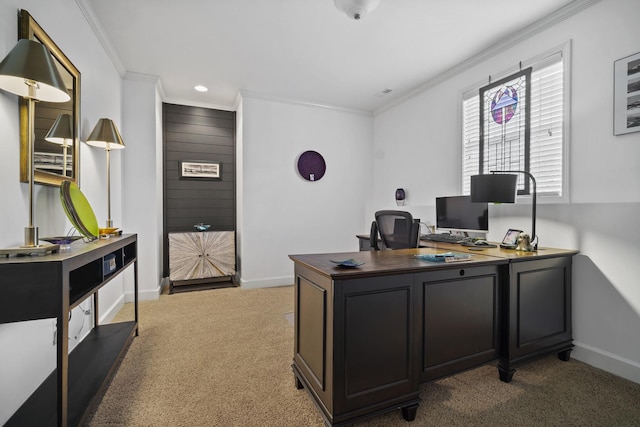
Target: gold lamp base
{"type": "Point", "coordinates": [30, 237]}
{"type": "Point", "coordinates": [30, 246]}
{"type": "Point", "coordinates": [36, 250]}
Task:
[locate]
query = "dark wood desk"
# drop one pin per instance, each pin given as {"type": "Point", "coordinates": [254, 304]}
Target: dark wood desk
{"type": "Point", "coordinates": [365, 338]}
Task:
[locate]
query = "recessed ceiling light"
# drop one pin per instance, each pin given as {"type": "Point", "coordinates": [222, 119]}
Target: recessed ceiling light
{"type": "Point", "coordinates": [201, 88]}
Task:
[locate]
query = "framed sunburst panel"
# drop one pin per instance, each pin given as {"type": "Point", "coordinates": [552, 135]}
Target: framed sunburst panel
{"type": "Point", "coordinates": [626, 95]}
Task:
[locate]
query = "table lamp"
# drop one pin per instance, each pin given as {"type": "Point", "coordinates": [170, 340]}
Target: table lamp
{"type": "Point", "coordinates": [500, 187]}
{"type": "Point", "coordinates": [30, 71]}
{"type": "Point", "coordinates": [62, 133]}
{"type": "Point", "coordinates": [105, 135]}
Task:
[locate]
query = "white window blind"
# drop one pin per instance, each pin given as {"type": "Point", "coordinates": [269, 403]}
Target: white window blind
{"type": "Point", "coordinates": [547, 118]}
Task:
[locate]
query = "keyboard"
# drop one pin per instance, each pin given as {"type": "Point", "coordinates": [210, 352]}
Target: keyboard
{"type": "Point", "coordinates": [442, 237]}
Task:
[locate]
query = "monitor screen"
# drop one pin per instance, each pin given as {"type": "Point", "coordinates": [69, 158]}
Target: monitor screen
{"type": "Point", "coordinates": [458, 213]}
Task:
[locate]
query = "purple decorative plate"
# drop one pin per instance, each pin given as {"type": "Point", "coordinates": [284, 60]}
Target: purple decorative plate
{"type": "Point", "coordinates": [62, 240]}
{"type": "Point", "coordinates": [311, 165]}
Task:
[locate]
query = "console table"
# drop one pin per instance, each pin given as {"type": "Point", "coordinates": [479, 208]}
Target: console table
{"type": "Point", "coordinates": [42, 287]}
{"type": "Point", "coordinates": [366, 337]}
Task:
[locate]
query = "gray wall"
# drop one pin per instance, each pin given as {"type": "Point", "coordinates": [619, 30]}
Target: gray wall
{"type": "Point", "coordinates": [196, 133]}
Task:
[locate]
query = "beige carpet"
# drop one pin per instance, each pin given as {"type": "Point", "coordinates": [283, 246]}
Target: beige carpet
{"type": "Point", "coordinates": [223, 357]}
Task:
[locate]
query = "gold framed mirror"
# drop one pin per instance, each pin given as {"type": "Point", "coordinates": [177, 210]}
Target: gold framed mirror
{"type": "Point", "coordinates": [53, 162]}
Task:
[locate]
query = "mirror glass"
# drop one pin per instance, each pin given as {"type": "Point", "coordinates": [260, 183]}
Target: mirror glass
{"type": "Point", "coordinates": [53, 163]}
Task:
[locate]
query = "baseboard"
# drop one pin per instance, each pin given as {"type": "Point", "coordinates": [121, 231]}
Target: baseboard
{"type": "Point", "coordinates": [606, 361]}
{"type": "Point", "coordinates": [266, 283]}
{"type": "Point", "coordinates": [111, 312]}
{"type": "Point", "coordinates": [147, 295]}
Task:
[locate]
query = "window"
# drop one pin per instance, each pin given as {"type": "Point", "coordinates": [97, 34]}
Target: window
{"type": "Point", "coordinates": [544, 156]}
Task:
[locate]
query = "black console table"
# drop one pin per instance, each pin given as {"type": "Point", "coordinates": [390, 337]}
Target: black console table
{"type": "Point", "coordinates": [50, 286]}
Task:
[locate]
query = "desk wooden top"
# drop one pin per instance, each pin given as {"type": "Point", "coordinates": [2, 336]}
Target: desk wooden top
{"type": "Point", "coordinates": [499, 252]}
{"type": "Point", "coordinates": [377, 263]}
{"type": "Point", "coordinates": [511, 254]}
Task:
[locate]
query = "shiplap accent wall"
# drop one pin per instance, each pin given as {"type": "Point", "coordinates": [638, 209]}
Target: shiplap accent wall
{"type": "Point", "coordinates": [196, 133]}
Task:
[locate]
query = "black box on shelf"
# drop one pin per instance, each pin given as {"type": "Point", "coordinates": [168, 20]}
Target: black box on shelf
{"type": "Point", "coordinates": [109, 264]}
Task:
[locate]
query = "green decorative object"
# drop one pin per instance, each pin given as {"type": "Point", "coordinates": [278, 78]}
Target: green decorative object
{"type": "Point", "coordinates": [78, 210]}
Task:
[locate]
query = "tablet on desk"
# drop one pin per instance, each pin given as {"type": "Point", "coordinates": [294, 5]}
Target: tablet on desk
{"type": "Point", "coordinates": [510, 240]}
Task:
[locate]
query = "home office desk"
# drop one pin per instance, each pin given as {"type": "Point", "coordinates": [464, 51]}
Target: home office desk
{"type": "Point", "coordinates": [365, 338]}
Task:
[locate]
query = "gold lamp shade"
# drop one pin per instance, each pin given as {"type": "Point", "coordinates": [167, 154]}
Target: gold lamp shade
{"type": "Point", "coordinates": [30, 71]}
{"type": "Point", "coordinates": [105, 135]}
{"type": "Point", "coordinates": [62, 131]}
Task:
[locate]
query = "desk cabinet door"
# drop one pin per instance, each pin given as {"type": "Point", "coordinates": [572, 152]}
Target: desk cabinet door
{"type": "Point", "coordinates": [461, 320]}
{"type": "Point", "coordinates": [539, 317]}
{"type": "Point", "coordinates": [376, 332]}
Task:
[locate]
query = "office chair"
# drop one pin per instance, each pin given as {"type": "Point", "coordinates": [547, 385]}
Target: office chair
{"type": "Point", "coordinates": [397, 229]}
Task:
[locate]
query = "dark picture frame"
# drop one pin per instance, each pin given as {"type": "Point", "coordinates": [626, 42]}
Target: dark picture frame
{"type": "Point", "coordinates": [199, 169]}
{"type": "Point", "coordinates": [626, 95]}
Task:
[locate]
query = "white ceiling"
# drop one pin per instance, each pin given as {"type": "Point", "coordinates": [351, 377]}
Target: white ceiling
{"type": "Point", "coordinates": [305, 50]}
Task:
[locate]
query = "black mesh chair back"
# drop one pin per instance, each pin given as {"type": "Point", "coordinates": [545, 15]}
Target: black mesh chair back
{"type": "Point", "coordinates": [397, 229]}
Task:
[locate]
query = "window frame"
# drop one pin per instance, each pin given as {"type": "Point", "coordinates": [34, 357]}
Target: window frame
{"type": "Point", "coordinates": [565, 51]}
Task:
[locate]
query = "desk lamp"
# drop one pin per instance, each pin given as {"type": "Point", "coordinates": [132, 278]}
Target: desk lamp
{"type": "Point", "coordinates": [500, 187]}
{"type": "Point", "coordinates": [30, 71]}
{"type": "Point", "coordinates": [62, 133]}
{"type": "Point", "coordinates": [105, 135]}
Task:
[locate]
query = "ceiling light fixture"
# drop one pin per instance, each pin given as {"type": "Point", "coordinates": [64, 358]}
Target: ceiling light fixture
{"type": "Point", "coordinates": [356, 9]}
{"type": "Point", "coordinates": [200, 88]}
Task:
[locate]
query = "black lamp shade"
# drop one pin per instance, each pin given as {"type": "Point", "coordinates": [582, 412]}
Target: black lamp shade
{"type": "Point", "coordinates": [494, 188]}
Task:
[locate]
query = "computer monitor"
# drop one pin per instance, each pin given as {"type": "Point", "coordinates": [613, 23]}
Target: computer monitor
{"type": "Point", "coordinates": [459, 214]}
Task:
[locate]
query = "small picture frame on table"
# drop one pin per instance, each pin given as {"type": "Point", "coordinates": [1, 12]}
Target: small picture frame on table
{"type": "Point", "coordinates": [626, 95]}
{"type": "Point", "coordinates": [190, 169]}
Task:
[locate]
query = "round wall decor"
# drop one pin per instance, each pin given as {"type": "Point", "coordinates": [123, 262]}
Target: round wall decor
{"type": "Point", "coordinates": [311, 165]}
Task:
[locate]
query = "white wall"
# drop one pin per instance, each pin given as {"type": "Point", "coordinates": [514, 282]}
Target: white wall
{"type": "Point", "coordinates": [143, 168]}
{"type": "Point", "coordinates": [279, 212]}
{"type": "Point", "coordinates": [601, 220]}
{"type": "Point", "coordinates": [27, 348]}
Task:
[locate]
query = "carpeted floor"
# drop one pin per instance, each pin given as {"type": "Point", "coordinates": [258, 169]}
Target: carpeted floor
{"type": "Point", "coordinates": [223, 357]}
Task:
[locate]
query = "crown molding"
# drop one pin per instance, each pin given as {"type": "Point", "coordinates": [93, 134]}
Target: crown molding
{"type": "Point", "coordinates": [192, 103]}
{"type": "Point", "coordinates": [266, 97]}
{"type": "Point", "coordinates": [562, 14]}
{"type": "Point", "coordinates": [98, 30]}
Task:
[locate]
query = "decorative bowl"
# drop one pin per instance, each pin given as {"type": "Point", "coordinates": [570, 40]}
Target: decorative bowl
{"type": "Point", "coordinates": [202, 227]}
{"type": "Point", "coordinates": [61, 240]}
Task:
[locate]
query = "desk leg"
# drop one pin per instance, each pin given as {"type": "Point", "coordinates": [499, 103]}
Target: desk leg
{"type": "Point", "coordinates": [299, 384]}
{"type": "Point", "coordinates": [565, 355]}
{"type": "Point", "coordinates": [409, 412]}
{"type": "Point", "coordinates": [506, 373]}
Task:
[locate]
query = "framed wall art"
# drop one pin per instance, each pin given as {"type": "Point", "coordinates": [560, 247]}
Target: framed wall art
{"type": "Point", "coordinates": [191, 169]}
{"type": "Point", "coordinates": [626, 95]}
